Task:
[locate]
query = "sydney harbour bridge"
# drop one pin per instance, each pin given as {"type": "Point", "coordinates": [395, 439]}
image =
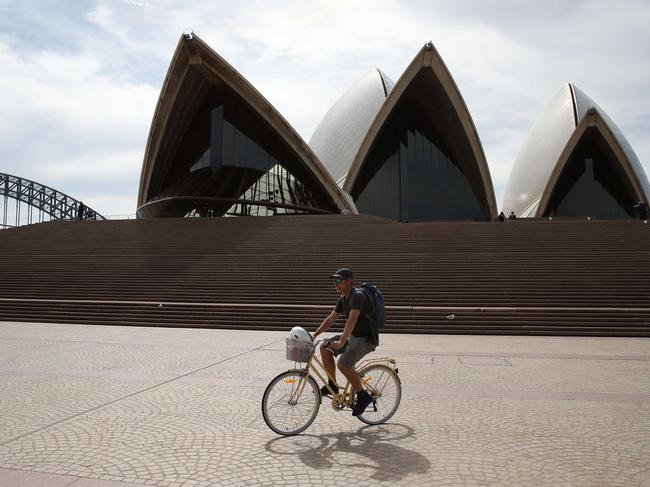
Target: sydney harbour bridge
{"type": "Point", "coordinates": [23, 202]}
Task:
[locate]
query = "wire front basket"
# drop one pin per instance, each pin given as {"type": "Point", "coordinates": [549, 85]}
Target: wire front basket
{"type": "Point", "coordinates": [299, 351]}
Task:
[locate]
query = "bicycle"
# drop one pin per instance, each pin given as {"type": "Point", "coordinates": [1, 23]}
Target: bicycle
{"type": "Point", "coordinates": [292, 400]}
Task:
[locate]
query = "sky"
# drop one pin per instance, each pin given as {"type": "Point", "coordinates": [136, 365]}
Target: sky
{"type": "Point", "coordinates": [79, 80]}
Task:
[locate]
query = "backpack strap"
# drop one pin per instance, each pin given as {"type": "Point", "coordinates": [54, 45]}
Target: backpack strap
{"type": "Point", "coordinates": [369, 298]}
{"type": "Point", "coordinates": [371, 319]}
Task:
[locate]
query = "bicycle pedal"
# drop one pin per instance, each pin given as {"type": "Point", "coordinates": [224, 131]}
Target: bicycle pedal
{"type": "Point", "coordinates": [374, 405]}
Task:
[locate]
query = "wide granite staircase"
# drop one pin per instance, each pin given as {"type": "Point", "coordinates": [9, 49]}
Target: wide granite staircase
{"type": "Point", "coordinates": [524, 277]}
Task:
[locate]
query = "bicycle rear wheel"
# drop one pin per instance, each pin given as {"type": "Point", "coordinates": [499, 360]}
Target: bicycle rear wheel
{"type": "Point", "coordinates": [290, 403]}
{"type": "Point", "coordinates": [384, 385]}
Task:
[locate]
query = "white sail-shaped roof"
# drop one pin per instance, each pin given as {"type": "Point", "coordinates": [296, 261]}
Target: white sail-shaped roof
{"type": "Point", "coordinates": [340, 132]}
{"type": "Point", "coordinates": [548, 147]}
{"type": "Point", "coordinates": [443, 100]}
{"type": "Point", "coordinates": [194, 70]}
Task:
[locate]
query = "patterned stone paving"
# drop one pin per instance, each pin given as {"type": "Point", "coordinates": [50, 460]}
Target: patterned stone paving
{"type": "Point", "coordinates": [111, 406]}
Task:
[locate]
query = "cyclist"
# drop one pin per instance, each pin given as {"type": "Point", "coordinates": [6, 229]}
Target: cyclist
{"type": "Point", "coordinates": [358, 339]}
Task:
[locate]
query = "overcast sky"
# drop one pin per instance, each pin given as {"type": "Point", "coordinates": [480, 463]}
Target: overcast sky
{"type": "Point", "coordinates": [79, 80]}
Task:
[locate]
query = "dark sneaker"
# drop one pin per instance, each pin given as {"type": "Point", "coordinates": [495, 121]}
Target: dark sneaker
{"type": "Point", "coordinates": [363, 401]}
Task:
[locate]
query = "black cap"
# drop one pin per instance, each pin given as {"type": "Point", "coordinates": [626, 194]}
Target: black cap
{"type": "Point", "coordinates": [343, 274]}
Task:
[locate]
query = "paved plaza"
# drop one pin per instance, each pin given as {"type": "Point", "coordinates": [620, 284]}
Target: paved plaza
{"type": "Point", "coordinates": [101, 406]}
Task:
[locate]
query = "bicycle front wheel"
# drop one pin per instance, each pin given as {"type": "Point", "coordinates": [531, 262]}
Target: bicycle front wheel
{"type": "Point", "coordinates": [384, 385]}
{"type": "Point", "coordinates": [290, 403]}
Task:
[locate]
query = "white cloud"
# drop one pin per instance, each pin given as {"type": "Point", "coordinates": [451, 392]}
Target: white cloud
{"type": "Point", "coordinates": [120, 206]}
{"type": "Point", "coordinates": [113, 168]}
{"type": "Point", "coordinates": [65, 124]}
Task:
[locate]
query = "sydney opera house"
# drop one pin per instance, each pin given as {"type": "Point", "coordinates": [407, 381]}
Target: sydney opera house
{"type": "Point", "coordinates": [406, 150]}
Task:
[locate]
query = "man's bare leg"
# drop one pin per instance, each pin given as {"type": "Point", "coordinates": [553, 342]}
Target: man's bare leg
{"type": "Point", "coordinates": [351, 375]}
{"type": "Point", "coordinates": [363, 398]}
{"type": "Point", "coordinates": [328, 361]}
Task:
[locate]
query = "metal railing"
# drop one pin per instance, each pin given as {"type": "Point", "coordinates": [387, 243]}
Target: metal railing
{"type": "Point", "coordinates": [122, 216]}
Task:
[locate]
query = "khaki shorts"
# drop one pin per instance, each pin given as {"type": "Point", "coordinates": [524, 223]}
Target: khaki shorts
{"type": "Point", "coordinates": [354, 350]}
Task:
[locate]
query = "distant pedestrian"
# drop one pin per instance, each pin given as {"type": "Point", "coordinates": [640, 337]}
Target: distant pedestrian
{"type": "Point", "coordinates": [81, 209]}
{"type": "Point", "coordinates": [501, 217]}
{"type": "Point", "coordinates": [642, 210]}
{"type": "Point", "coordinates": [512, 216]}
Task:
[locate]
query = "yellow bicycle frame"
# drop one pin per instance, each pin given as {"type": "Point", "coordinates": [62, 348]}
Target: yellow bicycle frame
{"type": "Point", "coordinates": [346, 397]}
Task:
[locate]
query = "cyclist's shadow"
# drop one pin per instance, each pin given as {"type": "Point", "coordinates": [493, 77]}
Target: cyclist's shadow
{"type": "Point", "coordinates": [378, 445]}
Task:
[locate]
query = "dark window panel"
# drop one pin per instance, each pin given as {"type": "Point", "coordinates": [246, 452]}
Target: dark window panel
{"type": "Point", "coordinates": [216, 138]}
{"type": "Point", "coordinates": [592, 184]}
{"type": "Point", "coordinates": [425, 183]}
{"type": "Point", "coordinates": [235, 167]}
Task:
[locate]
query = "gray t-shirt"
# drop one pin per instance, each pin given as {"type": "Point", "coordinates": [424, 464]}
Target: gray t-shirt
{"type": "Point", "coordinates": [362, 328]}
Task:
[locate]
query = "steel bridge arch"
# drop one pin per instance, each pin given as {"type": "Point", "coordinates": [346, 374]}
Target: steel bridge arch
{"type": "Point", "coordinates": [47, 201]}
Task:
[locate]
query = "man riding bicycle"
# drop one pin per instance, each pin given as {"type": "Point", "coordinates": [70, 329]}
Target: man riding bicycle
{"type": "Point", "coordinates": [358, 339]}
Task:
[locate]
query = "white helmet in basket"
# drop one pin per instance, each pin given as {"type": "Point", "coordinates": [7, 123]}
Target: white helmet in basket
{"type": "Point", "coordinates": [300, 334]}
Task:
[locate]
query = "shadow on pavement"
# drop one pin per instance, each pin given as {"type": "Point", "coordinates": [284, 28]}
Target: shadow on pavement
{"type": "Point", "coordinates": [374, 447]}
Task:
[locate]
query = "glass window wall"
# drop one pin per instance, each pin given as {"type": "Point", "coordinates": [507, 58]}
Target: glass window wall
{"type": "Point", "coordinates": [591, 185]}
{"type": "Point", "coordinates": [409, 176]}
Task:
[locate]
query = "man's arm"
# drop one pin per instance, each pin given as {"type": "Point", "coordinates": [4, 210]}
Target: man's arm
{"type": "Point", "coordinates": [349, 325]}
{"type": "Point", "coordinates": [327, 322]}
{"type": "Point", "coordinates": [347, 331]}
{"type": "Point", "coordinates": [357, 300]}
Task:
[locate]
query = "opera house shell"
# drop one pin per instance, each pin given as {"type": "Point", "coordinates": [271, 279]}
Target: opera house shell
{"type": "Point", "coordinates": [420, 158]}
{"type": "Point", "coordinates": [575, 162]}
{"type": "Point", "coordinates": [339, 134]}
{"type": "Point", "coordinates": [217, 147]}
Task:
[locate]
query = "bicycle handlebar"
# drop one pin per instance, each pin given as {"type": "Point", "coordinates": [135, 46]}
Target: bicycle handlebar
{"type": "Point", "coordinates": [316, 342]}
{"type": "Point", "coordinates": [321, 340]}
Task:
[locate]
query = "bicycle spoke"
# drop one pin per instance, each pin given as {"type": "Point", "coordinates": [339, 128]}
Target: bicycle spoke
{"type": "Point", "coordinates": [381, 381]}
{"type": "Point", "coordinates": [291, 403]}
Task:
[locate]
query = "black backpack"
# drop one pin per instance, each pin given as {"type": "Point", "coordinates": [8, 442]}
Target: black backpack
{"type": "Point", "coordinates": [376, 300]}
